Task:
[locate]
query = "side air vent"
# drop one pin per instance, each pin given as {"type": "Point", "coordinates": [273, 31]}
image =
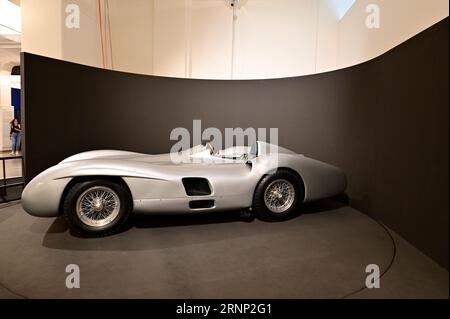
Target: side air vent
{"type": "Point", "coordinates": [196, 186]}
{"type": "Point", "coordinates": [199, 204]}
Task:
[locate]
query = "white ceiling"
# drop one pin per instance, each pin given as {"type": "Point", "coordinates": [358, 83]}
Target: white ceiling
{"type": "Point", "coordinates": [9, 50]}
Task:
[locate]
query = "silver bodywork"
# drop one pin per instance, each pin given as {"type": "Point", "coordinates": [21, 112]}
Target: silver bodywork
{"type": "Point", "coordinates": [155, 181]}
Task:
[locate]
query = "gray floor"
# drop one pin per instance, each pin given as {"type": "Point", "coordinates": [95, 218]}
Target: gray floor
{"type": "Point", "coordinates": [321, 254]}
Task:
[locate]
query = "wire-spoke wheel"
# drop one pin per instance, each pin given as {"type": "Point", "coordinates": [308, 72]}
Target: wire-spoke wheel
{"type": "Point", "coordinates": [98, 207]}
{"type": "Point", "coordinates": [277, 195]}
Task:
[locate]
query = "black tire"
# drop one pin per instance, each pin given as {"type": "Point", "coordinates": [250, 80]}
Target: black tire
{"type": "Point", "coordinates": [262, 211]}
{"type": "Point", "coordinates": [75, 222]}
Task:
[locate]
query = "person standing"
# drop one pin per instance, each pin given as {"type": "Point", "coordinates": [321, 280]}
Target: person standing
{"type": "Point", "coordinates": [15, 136]}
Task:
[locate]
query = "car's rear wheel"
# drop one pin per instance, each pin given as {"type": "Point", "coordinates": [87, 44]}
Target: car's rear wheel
{"type": "Point", "coordinates": [277, 195]}
{"type": "Point", "coordinates": [97, 207]}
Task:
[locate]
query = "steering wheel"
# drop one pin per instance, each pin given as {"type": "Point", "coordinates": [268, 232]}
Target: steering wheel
{"type": "Point", "coordinates": [211, 148]}
{"type": "Point", "coordinates": [244, 157]}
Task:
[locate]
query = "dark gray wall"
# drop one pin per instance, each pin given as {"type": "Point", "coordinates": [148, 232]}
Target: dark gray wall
{"type": "Point", "coordinates": [385, 122]}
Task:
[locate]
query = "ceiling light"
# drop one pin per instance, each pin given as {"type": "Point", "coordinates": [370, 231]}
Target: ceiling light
{"type": "Point", "coordinates": [10, 18]}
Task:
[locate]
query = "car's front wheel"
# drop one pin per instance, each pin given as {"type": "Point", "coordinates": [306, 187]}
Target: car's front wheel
{"type": "Point", "coordinates": [97, 207]}
{"type": "Point", "coordinates": [277, 196]}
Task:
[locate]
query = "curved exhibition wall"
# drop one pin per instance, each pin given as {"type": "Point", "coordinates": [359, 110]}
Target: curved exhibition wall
{"type": "Point", "coordinates": [385, 122]}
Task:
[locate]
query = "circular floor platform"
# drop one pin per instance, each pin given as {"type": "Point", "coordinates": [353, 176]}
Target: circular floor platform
{"type": "Point", "coordinates": [321, 254]}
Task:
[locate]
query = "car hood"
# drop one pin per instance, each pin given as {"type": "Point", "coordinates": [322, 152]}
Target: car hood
{"type": "Point", "coordinates": [167, 159]}
{"type": "Point", "coordinates": [163, 159]}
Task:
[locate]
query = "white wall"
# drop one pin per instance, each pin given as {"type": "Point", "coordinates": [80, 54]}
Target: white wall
{"type": "Point", "coordinates": [209, 38]}
{"type": "Point", "coordinates": [193, 38]}
{"type": "Point", "coordinates": [276, 39]}
{"type": "Point", "coordinates": [190, 38]}
{"type": "Point", "coordinates": [5, 106]}
{"type": "Point", "coordinates": [327, 37]}
{"type": "Point", "coordinates": [6, 109]}
{"type": "Point", "coordinates": [81, 45]}
{"type": "Point", "coordinates": [132, 35]}
{"type": "Point", "coordinates": [42, 27]}
{"type": "Point", "coordinates": [169, 38]}
{"type": "Point", "coordinates": [400, 20]}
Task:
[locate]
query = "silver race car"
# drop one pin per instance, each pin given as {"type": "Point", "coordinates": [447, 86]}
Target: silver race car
{"type": "Point", "coordinates": [97, 191]}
